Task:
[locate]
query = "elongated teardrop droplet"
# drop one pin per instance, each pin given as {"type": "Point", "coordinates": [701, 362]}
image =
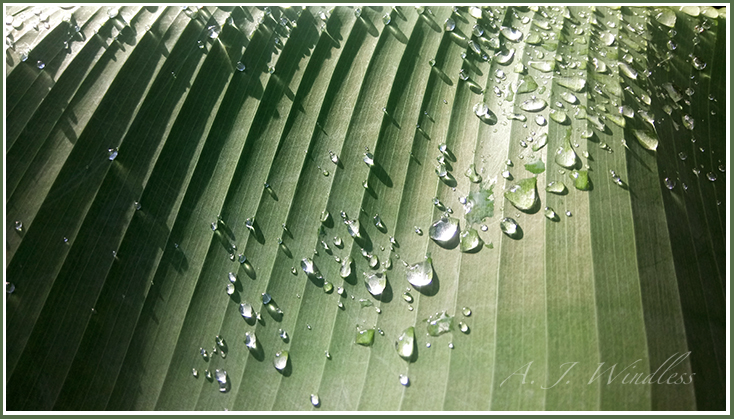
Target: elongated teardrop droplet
{"type": "Point", "coordinates": [405, 345]}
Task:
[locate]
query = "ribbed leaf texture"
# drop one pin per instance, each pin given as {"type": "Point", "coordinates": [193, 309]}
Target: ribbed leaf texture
{"type": "Point", "coordinates": [156, 153]}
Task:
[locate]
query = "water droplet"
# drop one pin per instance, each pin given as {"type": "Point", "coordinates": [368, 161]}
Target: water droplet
{"type": "Point", "coordinates": [386, 19]}
{"type": "Point", "coordinates": [544, 66]}
{"type": "Point", "coordinates": [309, 268]}
{"type": "Point", "coordinates": [420, 274]}
{"type": "Point", "coordinates": [463, 327]}
{"type": "Point", "coordinates": [669, 183]}
{"type": "Point", "coordinates": [417, 230]}
{"type": "Point", "coordinates": [283, 334]}
{"type": "Point", "coordinates": [407, 297]}
{"type": "Point", "coordinates": [204, 353]}
{"type": "Point", "coordinates": [711, 176]}
{"type": "Point", "coordinates": [698, 63]}
{"type": "Point", "coordinates": [232, 277]}
{"type": "Point", "coordinates": [469, 241]}
{"type": "Point", "coordinates": [195, 372]}
{"type": "Point", "coordinates": [559, 116]}
{"type": "Point", "coordinates": [375, 283]}
{"type": "Point", "coordinates": [533, 105]}
{"type": "Point", "coordinates": [281, 360]}
{"type": "Point", "coordinates": [565, 155]}
{"type": "Point", "coordinates": [722, 168]}
{"type": "Point", "coordinates": [549, 213]}
{"type": "Point", "coordinates": [444, 231]}
{"type": "Point", "coordinates": [230, 289]}
{"type": "Point", "coordinates": [439, 324]}
{"type": "Point", "coordinates": [581, 179]}
{"type": "Point", "coordinates": [648, 139]}
{"type": "Point", "coordinates": [404, 380]}
{"type": "Point", "coordinates": [19, 226]}
{"type": "Point", "coordinates": [568, 213]}
{"type": "Point", "coordinates": [511, 33]}
{"type": "Point", "coordinates": [510, 227]}
{"type": "Point", "coordinates": [213, 31]}
{"type": "Point", "coordinates": [221, 376]}
{"type": "Point", "coordinates": [112, 153]}
{"type": "Point", "coordinates": [405, 344]}
{"type": "Point", "coordinates": [683, 156]}
{"type": "Point", "coordinates": [112, 12]}
{"type": "Point", "coordinates": [373, 261]}
{"type": "Point", "coordinates": [308, 326]}
{"type": "Point", "coordinates": [449, 25]}
{"type": "Point", "coordinates": [451, 345]}
{"type": "Point", "coordinates": [315, 397]}
{"type": "Point", "coordinates": [504, 57]}
{"type": "Point", "coordinates": [346, 268]}
{"type": "Point", "coordinates": [481, 109]}
{"type": "Point", "coordinates": [365, 337]}
{"type": "Point", "coordinates": [666, 17]}
{"type": "Point", "coordinates": [569, 97]}
{"type": "Point", "coordinates": [523, 195]}
{"type": "Point", "coordinates": [688, 122]}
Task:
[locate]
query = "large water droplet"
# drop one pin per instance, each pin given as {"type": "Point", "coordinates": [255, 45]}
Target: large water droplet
{"type": "Point", "coordinates": [523, 195]}
{"type": "Point", "coordinates": [559, 116]}
{"type": "Point", "coordinates": [281, 360]}
{"type": "Point", "coordinates": [666, 17]}
{"type": "Point", "coordinates": [365, 337]}
{"type": "Point", "coordinates": [375, 283]}
{"type": "Point", "coordinates": [405, 345]}
{"type": "Point", "coordinates": [421, 274]}
{"type": "Point", "coordinates": [386, 19]}
{"type": "Point", "coordinates": [504, 57]}
{"type": "Point", "coordinates": [540, 142]}
{"type": "Point", "coordinates": [469, 241]}
{"type": "Point", "coordinates": [510, 227]}
{"type": "Point", "coordinates": [576, 84]}
{"type": "Point", "coordinates": [628, 71]}
{"type": "Point", "coordinates": [309, 268]}
{"type": "Point", "coordinates": [581, 179]}
{"type": "Point", "coordinates": [511, 34]}
{"type": "Point", "coordinates": [533, 104]}
{"type": "Point", "coordinates": [544, 66]}
{"type": "Point", "coordinates": [569, 97]}
{"type": "Point", "coordinates": [346, 267]}
{"type": "Point", "coordinates": [221, 376]}
{"type": "Point", "coordinates": [648, 139]}
{"type": "Point", "coordinates": [444, 231]}
{"type": "Point", "coordinates": [439, 323]}
{"type": "Point", "coordinates": [246, 311]}
{"type": "Point", "coordinates": [565, 155]}
{"type": "Point", "coordinates": [698, 63]}
{"type": "Point", "coordinates": [449, 25]}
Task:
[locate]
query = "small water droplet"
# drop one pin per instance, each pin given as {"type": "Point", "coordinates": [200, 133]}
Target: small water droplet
{"type": "Point", "coordinates": [711, 176]}
{"type": "Point", "coordinates": [451, 345]}
{"type": "Point", "coordinates": [246, 311]}
{"type": "Point", "coordinates": [283, 334]}
{"type": "Point", "coordinates": [281, 360]}
{"type": "Point", "coordinates": [230, 289]}
{"type": "Point", "coordinates": [9, 287]}
{"type": "Point", "coordinates": [19, 226]}
{"type": "Point", "coordinates": [669, 183]}
{"type": "Point", "coordinates": [112, 153]}
{"type": "Point", "coordinates": [404, 380]}
{"type": "Point", "coordinates": [417, 230]}
{"type": "Point", "coordinates": [510, 227]}
{"type": "Point", "coordinates": [568, 213]}
{"type": "Point", "coordinates": [463, 327]}
{"type": "Point", "coordinates": [466, 311]}
{"type": "Point", "coordinates": [195, 372]}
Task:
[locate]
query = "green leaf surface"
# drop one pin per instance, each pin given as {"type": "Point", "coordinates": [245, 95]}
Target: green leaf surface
{"type": "Point", "coordinates": [235, 127]}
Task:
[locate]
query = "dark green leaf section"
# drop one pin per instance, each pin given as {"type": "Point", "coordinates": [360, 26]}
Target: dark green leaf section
{"type": "Point", "coordinates": [235, 113]}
